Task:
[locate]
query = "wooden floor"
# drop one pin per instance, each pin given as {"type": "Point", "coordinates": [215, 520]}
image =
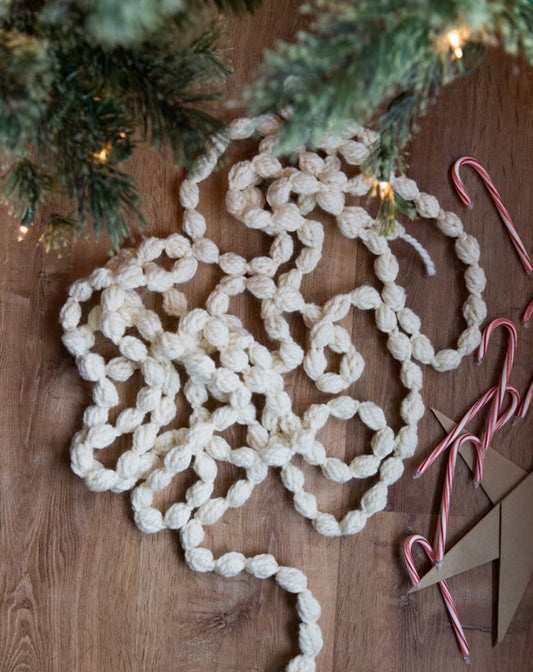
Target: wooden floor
{"type": "Point", "coordinates": [83, 590]}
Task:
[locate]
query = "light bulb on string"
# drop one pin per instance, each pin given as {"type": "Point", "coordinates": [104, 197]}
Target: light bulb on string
{"type": "Point", "coordinates": [385, 189]}
{"type": "Point", "coordinates": [381, 188]}
{"type": "Point", "coordinates": [101, 155]}
{"type": "Point", "coordinates": [386, 215]}
{"type": "Point", "coordinates": [23, 230]}
{"type": "Point", "coordinates": [455, 39]}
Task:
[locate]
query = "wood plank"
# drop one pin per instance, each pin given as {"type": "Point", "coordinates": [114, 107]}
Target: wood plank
{"type": "Point", "coordinates": [83, 589]}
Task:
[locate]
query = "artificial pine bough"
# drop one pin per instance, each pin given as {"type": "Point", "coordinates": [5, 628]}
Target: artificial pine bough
{"type": "Point", "coordinates": [78, 78]}
{"type": "Point", "coordinates": [361, 55]}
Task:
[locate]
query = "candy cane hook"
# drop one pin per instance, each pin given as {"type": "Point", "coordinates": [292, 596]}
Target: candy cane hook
{"type": "Point", "coordinates": [506, 217]}
{"type": "Point", "coordinates": [448, 600]}
{"type": "Point", "coordinates": [502, 385]}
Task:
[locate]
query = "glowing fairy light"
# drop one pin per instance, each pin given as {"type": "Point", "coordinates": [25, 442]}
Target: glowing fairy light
{"type": "Point", "coordinates": [23, 230]}
{"type": "Point", "coordinates": [384, 189]}
{"type": "Point", "coordinates": [455, 41]}
{"type": "Point", "coordinates": [102, 155]}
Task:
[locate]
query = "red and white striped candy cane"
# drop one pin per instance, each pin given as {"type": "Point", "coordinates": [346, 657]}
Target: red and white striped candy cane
{"type": "Point", "coordinates": [471, 413]}
{"type": "Point", "coordinates": [502, 385]}
{"type": "Point", "coordinates": [447, 491]}
{"type": "Point", "coordinates": [506, 217]}
{"type": "Point", "coordinates": [448, 600]}
{"type": "Point", "coordinates": [527, 313]}
{"type": "Point", "coordinates": [526, 402]}
{"type": "Point", "coordinates": [515, 400]}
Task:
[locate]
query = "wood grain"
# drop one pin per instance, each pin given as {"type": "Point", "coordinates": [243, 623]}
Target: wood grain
{"type": "Point", "coordinates": [82, 589]}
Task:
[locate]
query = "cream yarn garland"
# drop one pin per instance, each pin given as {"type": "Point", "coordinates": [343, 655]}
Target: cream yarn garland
{"type": "Point", "coordinates": [222, 360]}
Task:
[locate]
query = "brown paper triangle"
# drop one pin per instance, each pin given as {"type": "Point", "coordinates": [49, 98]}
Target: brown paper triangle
{"type": "Point", "coordinates": [480, 545]}
{"type": "Point", "coordinates": [516, 552]}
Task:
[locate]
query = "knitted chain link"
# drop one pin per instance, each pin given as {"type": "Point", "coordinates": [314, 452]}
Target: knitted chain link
{"type": "Point", "coordinates": [211, 355]}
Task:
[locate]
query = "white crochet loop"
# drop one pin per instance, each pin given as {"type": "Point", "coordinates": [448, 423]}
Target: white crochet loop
{"type": "Point", "coordinates": [209, 354]}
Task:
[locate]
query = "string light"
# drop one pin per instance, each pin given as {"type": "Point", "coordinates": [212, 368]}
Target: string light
{"type": "Point", "coordinates": [454, 40]}
{"type": "Point", "coordinates": [23, 230]}
{"type": "Point", "coordinates": [382, 188]}
{"type": "Point", "coordinates": [101, 155]}
{"type": "Point", "coordinates": [387, 209]}
{"type": "Point", "coordinates": [385, 189]}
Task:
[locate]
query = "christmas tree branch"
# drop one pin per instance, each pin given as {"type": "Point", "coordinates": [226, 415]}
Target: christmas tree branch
{"type": "Point", "coordinates": [73, 100]}
{"type": "Point", "coordinates": [357, 56]}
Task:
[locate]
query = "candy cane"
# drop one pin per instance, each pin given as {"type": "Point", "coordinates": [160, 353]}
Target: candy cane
{"type": "Point", "coordinates": [446, 494]}
{"type": "Point", "coordinates": [502, 385]}
{"type": "Point", "coordinates": [471, 413]}
{"type": "Point", "coordinates": [529, 394]}
{"type": "Point", "coordinates": [526, 402]}
{"type": "Point", "coordinates": [515, 400]}
{"type": "Point", "coordinates": [506, 217]}
{"type": "Point", "coordinates": [528, 312]}
{"type": "Point", "coordinates": [448, 600]}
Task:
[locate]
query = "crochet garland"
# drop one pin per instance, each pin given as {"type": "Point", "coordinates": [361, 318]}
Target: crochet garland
{"type": "Point", "coordinates": [210, 354]}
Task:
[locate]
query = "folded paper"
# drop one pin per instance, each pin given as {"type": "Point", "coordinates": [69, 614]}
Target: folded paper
{"type": "Point", "coordinates": [504, 533]}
